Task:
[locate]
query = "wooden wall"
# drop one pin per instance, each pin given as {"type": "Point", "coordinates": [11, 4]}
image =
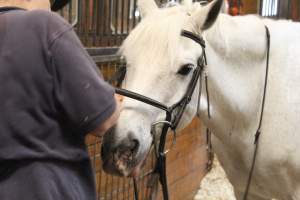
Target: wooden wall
{"type": "Point", "coordinates": [289, 9]}
{"type": "Point", "coordinates": [250, 6]}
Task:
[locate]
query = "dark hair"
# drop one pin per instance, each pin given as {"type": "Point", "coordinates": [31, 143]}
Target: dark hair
{"type": "Point", "coordinates": [58, 4]}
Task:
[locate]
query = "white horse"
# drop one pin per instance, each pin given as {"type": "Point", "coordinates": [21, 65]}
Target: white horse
{"type": "Point", "coordinates": [236, 53]}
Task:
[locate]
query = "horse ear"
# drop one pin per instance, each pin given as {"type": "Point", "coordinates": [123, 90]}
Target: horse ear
{"type": "Point", "coordinates": [206, 16]}
{"type": "Point", "coordinates": [146, 7]}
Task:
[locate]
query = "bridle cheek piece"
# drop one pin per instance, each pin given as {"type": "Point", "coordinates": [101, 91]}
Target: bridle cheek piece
{"type": "Point", "coordinates": [174, 113]}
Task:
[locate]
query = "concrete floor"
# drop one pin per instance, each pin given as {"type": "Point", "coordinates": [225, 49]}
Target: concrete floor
{"type": "Point", "coordinates": [215, 185]}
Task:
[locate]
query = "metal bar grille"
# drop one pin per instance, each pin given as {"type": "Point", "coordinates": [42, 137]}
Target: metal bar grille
{"type": "Point", "coordinates": [269, 8]}
{"type": "Point", "coordinates": [280, 9]}
{"type": "Point", "coordinates": [105, 23]}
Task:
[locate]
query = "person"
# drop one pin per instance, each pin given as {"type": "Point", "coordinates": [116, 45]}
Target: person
{"type": "Point", "coordinates": [51, 98]}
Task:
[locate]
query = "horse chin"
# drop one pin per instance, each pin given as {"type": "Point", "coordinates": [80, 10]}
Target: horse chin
{"type": "Point", "coordinates": [124, 165]}
{"type": "Point", "coordinates": [135, 172]}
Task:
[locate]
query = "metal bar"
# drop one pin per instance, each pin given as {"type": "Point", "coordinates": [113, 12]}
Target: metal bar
{"type": "Point", "coordinates": [128, 16]}
{"type": "Point", "coordinates": [261, 7]}
{"type": "Point", "coordinates": [109, 21]}
{"type": "Point", "coordinates": [70, 11]}
{"type": "Point", "coordinates": [105, 188]}
{"type": "Point", "coordinates": [112, 186]}
{"type": "Point", "coordinates": [99, 184]}
{"type": "Point", "coordinates": [272, 8]}
{"type": "Point", "coordinates": [79, 26]}
{"type": "Point", "coordinates": [128, 190]}
{"type": "Point", "coordinates": [94, 21]}
{"type": "Point", "coordinates": [124, 187]}
{"type": "Point", "coordinates": [268, 7]}
{"type": "Point", "coordinates": [98, 20]}
{"type": "Point", "coordinates": [102, 51]}
{"type": "Point", "coordinates": [102, 21]}
{"type": "Point", "coordinates": [142, 183]}
{"type": "Point", "coordinates": [136, 190]}
{"type": "Point", "coordinates": [101, 59]}
{"type": "Point", "coordinates": [278, 9]}
{"type": "Point", "coordinates": [75, 22]}
{"type": "Point", "coordinates": [298, 10]}
{"type": "Point", "coordinates": [105, 21]}
{"type": "Point", "coordinates": [289, 10]}
{"type": "Point", "coordinates": [116, 21]}
{"type": "Point", "coordinates": [133, 12]}
{"type": "Point", "coordinates": [122, 16]}
{"type": "Point", "coordinates": [86, 22]}
{"type": "Point", "coordinates": [284, 9]}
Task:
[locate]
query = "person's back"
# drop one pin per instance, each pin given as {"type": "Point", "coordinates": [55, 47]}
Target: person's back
{"type": "Point", "coordinates": [51, 97]}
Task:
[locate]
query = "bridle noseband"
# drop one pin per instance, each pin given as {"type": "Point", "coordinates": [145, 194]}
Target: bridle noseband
{"type": "Point", "coordinates": [173, 113]}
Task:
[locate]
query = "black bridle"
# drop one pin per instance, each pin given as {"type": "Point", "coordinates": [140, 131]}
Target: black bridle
{"type": "Point", "coordinates": [173, 113]}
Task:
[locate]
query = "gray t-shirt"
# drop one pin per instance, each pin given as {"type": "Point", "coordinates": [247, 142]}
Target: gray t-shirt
{"type": "Point", "coordinates": [51, 96]}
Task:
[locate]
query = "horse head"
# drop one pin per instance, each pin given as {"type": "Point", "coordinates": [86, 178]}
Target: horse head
{"type": "Point", "coordinates": [160, 63]}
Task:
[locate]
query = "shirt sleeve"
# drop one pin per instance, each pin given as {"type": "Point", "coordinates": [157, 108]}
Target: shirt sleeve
{"type": "Point", "coordinates": [83, 98]}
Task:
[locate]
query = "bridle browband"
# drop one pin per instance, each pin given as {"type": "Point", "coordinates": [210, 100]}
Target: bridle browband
{"type": "Point", "coordinates": [175, 112]}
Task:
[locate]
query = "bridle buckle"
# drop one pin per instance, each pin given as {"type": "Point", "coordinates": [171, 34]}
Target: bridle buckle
{"type": "Point", "coordinates": [154, 135]}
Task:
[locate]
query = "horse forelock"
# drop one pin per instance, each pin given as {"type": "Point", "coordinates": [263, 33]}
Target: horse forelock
{"type": "Point", "coordinates": [156, 39]}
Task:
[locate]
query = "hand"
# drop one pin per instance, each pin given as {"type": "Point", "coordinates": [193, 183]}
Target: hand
{"type": "Point", "coordinates": [119, 98]}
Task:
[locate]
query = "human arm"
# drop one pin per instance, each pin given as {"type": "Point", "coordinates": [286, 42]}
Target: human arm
{"type": "Point", "coordinates": [84, 99]}
{"type": "Point", "coordinates": [110, 122]}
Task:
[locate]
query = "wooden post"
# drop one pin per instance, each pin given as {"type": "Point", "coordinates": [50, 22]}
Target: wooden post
{"type": "Point", "coordinates": [283, 9]}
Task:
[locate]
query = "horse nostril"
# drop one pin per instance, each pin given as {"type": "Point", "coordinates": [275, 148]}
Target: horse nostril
{"type": "Point", "coordinates": [135, 146]}
{"type": "Point", "coordinates": [128, 146]}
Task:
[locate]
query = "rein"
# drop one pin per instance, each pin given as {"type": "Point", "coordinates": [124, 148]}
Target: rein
{"type": "Point", "coordinates": [258, 131]}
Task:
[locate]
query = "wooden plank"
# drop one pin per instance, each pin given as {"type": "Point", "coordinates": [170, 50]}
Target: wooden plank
{"type": "Point", "coordinates": [250, 7]}
{"type": "Point", "coordinates": [283, 11]}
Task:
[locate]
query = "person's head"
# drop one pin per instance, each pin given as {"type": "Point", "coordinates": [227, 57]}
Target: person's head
{"type": "Point", "coordinates": [27, 4]}
{"type": "Point", "coordinates": [35, 4]}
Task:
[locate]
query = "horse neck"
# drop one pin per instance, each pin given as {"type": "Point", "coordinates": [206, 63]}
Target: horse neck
{"type": "Point", "coordinates": [236, 50]}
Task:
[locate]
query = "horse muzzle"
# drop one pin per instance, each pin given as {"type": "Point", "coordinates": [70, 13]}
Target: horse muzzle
{"type": "Point", "coordinates": [122, 159]}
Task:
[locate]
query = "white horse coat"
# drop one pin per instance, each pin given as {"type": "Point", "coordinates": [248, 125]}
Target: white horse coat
{"type": "Point", "coordinates": [236, 53]}
{"type": "Point", "coordinates": [236, 79]}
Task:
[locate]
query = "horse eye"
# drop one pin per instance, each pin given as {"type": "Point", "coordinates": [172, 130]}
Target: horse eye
{"type": "Point", "coordinates": [185, 69]}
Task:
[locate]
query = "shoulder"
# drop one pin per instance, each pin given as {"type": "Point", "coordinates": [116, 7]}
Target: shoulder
{"type": "Point", "coordinates": [46, 18]}
{"type": "Point", "coordinates": [46, 23]}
